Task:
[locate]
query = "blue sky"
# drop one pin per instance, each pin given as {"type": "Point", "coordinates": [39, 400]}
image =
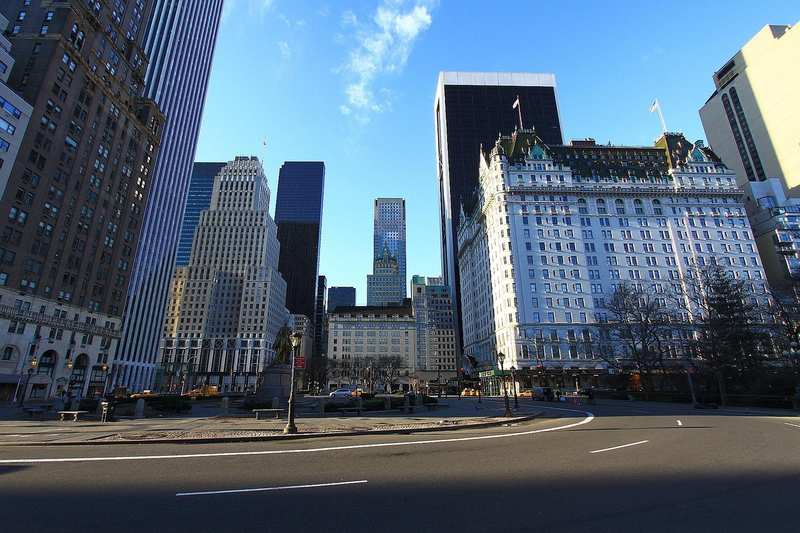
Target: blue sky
{"type": "Point", "coordinates": [352, 83]}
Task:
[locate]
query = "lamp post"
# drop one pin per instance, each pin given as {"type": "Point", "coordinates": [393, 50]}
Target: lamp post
{"type": "Point", "coordinates": [290, 427]}
{"type": "Point", "coordinates": [33, 363]}
{"type": "Point", "coordinates": [439, 381]}
{"type": "Point", "coordinates": [514, 384]}
{"type": "Point", "coordinates": [104, 368]}
{"type": "Point", "coordinates": [500, 358]}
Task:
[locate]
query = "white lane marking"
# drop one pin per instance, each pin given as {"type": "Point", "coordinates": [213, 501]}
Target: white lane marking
{"type": "Point", "coordinates": [638, 411]}
{"type": "Point", "coordinates": [793, 425]}
{"type": "Point", "coordinates": [618, 447]}
{"type": "Point", "coordinates": [680, 423]}
{"type": "Point", "coordinates": [589, 418]}
{"type": "Point", "coordinates": [263, 489]}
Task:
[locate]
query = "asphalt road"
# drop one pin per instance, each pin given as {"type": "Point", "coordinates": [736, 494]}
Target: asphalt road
{"type": "Point", "coordinates": [631, 468]}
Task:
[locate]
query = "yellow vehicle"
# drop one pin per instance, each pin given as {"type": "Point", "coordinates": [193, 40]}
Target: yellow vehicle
{"type": "Point", "coordinates": [469, 392]}
{"type": "Point", "coordinates": [206, 390]}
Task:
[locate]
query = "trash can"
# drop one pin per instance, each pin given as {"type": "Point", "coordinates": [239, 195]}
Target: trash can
{"type": "Point", "coordinates": [107, 414]}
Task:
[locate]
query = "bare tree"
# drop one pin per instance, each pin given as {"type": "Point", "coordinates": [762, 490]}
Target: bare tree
{"type": "Point", "coordinates": [635, 329]}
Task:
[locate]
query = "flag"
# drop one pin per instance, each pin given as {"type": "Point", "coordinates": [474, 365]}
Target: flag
{"type": "Point", "coordinates": [516, 103]}
{"type": "Point", "coordinates": [653, 107]}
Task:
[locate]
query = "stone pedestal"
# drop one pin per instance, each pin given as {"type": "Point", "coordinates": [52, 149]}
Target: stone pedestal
{"type": "Point", "coordinates": [276, 381]}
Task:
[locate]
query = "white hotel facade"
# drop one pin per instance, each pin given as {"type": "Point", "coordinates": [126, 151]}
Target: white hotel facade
{"type": "Point", "coordinates": [555, 229]}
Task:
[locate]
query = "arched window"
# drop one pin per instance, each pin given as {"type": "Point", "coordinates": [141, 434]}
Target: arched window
{"type": "Point", "coordinates": [9, 354]}
{"type": "Point", "coordinates": [638, 207]}
{"type": "Point", "coordinates": [79, 375]}
{"type": "Point", "coordinates": [619, 205]}
{"type": "Point", "coordinates": [47, 362]}
{"type": "Point", "coordinates": [601, 206]}
{"type": "Point", "coordinates": [582, 206]}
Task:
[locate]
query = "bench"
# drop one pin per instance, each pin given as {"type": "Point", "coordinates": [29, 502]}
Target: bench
{"type": "Point", "coordinates": [407, 408]}
{"type": "Point", "coordinates": [32, 411]}
{"type": "Point", "coordinates": [431, 406]}
{"type": "Point", "coordinates": [356, 410]}
{"type": "Point", "coordinates": [76, 415]}
{"type": "Point", "coordinates": [276, 411]}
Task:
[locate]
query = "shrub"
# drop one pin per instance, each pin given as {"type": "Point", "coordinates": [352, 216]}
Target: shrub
{"type": "Point", "coordinates": [170, 404]}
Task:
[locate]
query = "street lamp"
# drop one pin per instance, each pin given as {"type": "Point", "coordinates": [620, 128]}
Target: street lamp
{"type": "Point", "coordinates": [439, 381]}
{"type": "Point", "coordinates": [514, 384]}
{"type": "Point", "coordinates": [104, 368]}
{"type": "Point", "coordinates": [33, 363]}
{"type": "Point", "coordinates": [500, 358]}
{"type": "Point", "coordinates": [290, 427]}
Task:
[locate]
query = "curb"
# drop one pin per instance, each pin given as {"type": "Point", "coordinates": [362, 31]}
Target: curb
{"type": "Point", "coordinates": [295, 436]}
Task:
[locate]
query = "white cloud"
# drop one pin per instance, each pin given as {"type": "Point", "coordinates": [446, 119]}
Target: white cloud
{"type": "Point", "coordinates": [324, 11]}
{"type": "Point", "coordinates": [284, 47]}
{"type": "Point", "coordinates": [349, 18]}
{"type": "Point", "coordinates": [381, 47]}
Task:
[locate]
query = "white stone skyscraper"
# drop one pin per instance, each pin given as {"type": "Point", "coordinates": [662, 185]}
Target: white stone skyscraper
{"type": "Point", "coordinates": [180, 38]}
{"type": "Point", "coordinates": [226, 307]}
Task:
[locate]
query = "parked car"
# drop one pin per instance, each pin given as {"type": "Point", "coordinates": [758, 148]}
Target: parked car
{"type": "Point", "coordinates": [341, 393]}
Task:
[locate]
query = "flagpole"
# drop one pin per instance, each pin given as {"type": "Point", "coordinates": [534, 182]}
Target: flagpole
{"type": "Point", "coordinates": [663, 124]}
{"type": "Point", "coordinates": [518, 107]}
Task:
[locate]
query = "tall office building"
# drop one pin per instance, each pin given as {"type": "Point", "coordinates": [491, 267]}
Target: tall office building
{"type": "Point", "coordinates": [389, 221]}
{"type": "Point", "coordinates": [573, 223]}
{"type": "Point", "coordinates": [226, 307]}
{"type": "Point", "coordinates": [751, 121]}
{"type": "Point", "coordinates": [470, 109]}
{"type": "Point", "coordinates": [76, 196]}
{"type": "Point", "coordinates": [201, 185]}
{"type": "Point", "coordinates": [298, 214]}
{"type": "Point", "coordinates": [179, 40]}
{"type": "Point", "coordinates": [385, 286]}
{"type": "Point", "coordinates": [15, 121]}
{"type": "Point", "coordinates": [341, 296]}
{"type": "Point", "coordinates": [433, 311]}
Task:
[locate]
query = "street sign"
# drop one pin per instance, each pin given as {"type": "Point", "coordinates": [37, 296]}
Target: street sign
{"type": "Point", "coordinates": [300, 362]}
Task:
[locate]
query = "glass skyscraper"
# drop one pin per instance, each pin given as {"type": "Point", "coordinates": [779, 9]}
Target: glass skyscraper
{"type": "Point", "coordinates": [470, 109]}
{"type": "Point", "coordinates": [298, 213]}
{"type": "Point", "coordinates": [389, 221]}
{"type": "Point", "coordinates": [180, 38]}
{"type": "Point", "coordinates": [201, 185]}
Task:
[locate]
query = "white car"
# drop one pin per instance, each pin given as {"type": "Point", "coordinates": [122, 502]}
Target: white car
{"type": "Point", "coordinates": [341, 393]}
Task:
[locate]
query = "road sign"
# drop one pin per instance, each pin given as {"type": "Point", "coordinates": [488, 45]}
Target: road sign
{"type": "Point", "coordinates": [300, 362]}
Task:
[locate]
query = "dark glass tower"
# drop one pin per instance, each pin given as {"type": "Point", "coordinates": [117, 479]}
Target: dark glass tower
{"type": "Point", "coordinates": [201, 186]}
{"type": "Point", "coordinates": [298, 213]}
{"type": "Point", "coordinates": [471, 108]}
{"type": "Point", "coordinates": [341, 296]}
{"type": "Point", "coordinates": [180, 38]}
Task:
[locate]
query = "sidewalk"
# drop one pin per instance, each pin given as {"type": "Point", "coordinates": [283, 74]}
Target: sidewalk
{"type": "Point", "coordinates": [202, 424]}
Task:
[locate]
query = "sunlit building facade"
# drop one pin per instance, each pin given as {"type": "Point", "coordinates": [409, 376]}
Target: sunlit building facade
{"type": "Point", "coordinates": [226, 307]}
{"type": "Point", "coordinates": [179, 38]}
{"type": "Point", "coordinates": [556, 228]}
